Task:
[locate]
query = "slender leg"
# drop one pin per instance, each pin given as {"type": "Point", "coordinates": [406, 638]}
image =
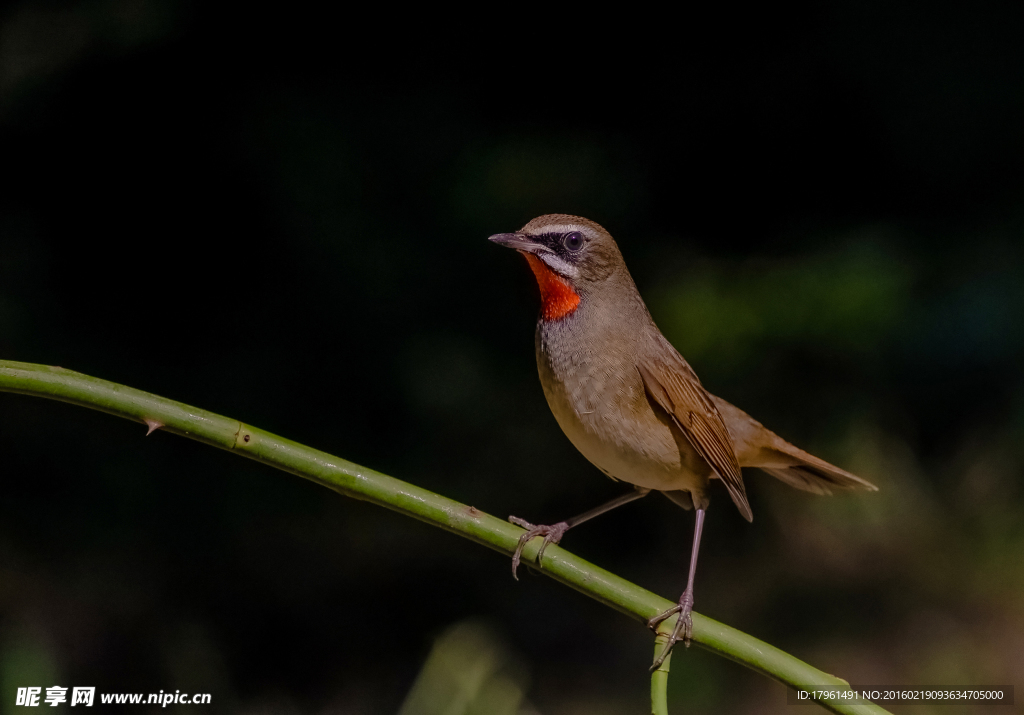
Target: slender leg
{"type": "Point", "coordinates": [554, 533]}
{"type": "Point", "coordinates": [685, 605]}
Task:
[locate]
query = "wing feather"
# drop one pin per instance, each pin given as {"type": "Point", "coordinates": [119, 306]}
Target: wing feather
{"type": "Point", "coordinates": [677, 390]}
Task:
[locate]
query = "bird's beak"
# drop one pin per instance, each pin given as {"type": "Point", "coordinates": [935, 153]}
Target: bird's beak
{"type": "Point", "coordinates": [520, 242]}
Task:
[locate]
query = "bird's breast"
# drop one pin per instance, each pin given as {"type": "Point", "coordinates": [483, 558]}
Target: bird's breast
{"type": "Point", "coordinates": [597, 396]}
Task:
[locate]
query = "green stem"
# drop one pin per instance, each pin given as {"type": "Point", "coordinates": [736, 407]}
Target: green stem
{"type": "Point", "coordinates": [362, 483]}
{"type": "Point", "coordinates": [659, 678]}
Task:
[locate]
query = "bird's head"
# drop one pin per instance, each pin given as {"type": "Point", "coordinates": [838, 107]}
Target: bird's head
{"type": "Point", "coordinates": [570, 256]}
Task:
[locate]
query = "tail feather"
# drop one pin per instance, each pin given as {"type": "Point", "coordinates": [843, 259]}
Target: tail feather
{"type": "Point", "coordinates": [759, 447]}
{"type": "Point", "coordinates": [812, 478]}
{"type": "Point", "coordinates": [799, 479]}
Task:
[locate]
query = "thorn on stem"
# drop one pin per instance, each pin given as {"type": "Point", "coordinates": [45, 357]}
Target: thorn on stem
{"type": "Point", "coordinates": [153, 425]}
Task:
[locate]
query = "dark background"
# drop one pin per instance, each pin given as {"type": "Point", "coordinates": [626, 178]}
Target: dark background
{"type": "Point", "coordinates": [282, 217]}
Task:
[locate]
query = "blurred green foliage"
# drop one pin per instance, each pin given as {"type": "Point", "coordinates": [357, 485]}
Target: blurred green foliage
{"type": "Point", "coordinates": [468, 672]}
{"type": "Point", "coordinates": [851, 300]}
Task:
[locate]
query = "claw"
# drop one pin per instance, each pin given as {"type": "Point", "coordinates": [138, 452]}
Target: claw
{"type": "Point", "coordinates": [656, 621]}
{"type": "Point", "coordinates": [683, 624]}
{"type": "Point", "coordinates": [552, 535]}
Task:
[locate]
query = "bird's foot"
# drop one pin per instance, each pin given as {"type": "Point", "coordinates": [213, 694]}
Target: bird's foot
{"type": "Point", "coordinates": [552, 535]}
{"type": "Point", "coordinates": [684, 625]}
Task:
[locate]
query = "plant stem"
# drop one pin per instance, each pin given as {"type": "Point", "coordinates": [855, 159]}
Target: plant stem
{"type": "Point", "coordinates": [659, 678]}
{"type": "Point", "coordinates": [365, 484]}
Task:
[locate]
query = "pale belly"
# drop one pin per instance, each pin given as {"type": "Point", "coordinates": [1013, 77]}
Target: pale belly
{"type": "Point", "coordinates": [611, 422]}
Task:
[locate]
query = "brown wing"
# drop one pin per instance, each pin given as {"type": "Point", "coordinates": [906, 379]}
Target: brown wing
{"type": "Point", "coordinates": [678, 391]}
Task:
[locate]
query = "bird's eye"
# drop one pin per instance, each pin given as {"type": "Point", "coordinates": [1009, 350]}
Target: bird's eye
{"type": "Point", "coordinates": [573, 241]}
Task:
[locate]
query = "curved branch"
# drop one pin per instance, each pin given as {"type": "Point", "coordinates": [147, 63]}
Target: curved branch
{"type": "Point", "coordinates": [361, 483]}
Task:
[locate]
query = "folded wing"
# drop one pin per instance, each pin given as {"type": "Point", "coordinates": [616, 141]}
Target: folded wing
{"type": "Point", "coordinates": [675, 387]}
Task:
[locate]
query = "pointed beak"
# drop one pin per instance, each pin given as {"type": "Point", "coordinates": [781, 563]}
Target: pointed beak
{"type": "Point", "coordinates": [520, 242]}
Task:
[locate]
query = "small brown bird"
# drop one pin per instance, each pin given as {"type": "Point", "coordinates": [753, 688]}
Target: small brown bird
{"type": "Point", "coordinates": [629, 401]}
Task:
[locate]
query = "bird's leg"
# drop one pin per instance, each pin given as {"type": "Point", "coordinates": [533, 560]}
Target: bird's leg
{"type": "Point", "coordinates": [685, 605]}
{"type": "Point", "coordinates": [554, 533]}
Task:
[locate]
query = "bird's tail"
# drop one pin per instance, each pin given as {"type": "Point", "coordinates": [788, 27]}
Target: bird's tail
{"type": "Point", "coordinates": [815, 475]}
{"type": "Point", "coordinates": [759, 447]}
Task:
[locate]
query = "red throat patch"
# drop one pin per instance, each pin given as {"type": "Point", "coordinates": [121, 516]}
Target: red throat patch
{"type": "Point", "coordinates": [557, 297]}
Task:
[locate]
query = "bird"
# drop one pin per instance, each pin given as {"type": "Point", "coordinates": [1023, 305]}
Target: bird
{"type": "Point", "coordinates": [631, 404]}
